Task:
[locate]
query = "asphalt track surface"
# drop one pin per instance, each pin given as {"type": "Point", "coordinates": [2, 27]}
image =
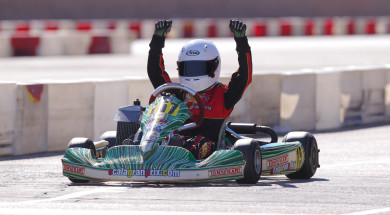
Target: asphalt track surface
{"type": "Point", "coordinates": [270, 55]}
{"type": "Point", "coordinates": [353, 179]}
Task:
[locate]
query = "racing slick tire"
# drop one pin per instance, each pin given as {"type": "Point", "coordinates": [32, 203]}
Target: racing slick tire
{"type": "Point", "coordinates": [311, 162]}
{"type": "Point", "coordinates": [251, 153]}
{"type": "Point", "coordinates": [81, 142]}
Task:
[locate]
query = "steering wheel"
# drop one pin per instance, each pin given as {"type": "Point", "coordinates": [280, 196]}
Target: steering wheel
{"type": "Point", "coordinates": [197, 118]}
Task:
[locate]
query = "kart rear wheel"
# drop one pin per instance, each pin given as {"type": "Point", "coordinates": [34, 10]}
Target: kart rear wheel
{"type": "Point", "coordinates": [81, 142]}
{"type": "Point", "coordinates": [251, 153]}
{"type": "Point", "coordinates": [310, 147]}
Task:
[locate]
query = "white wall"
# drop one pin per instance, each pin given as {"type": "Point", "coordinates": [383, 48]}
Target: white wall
{"type": "Point", "coordinates": [46, 117]}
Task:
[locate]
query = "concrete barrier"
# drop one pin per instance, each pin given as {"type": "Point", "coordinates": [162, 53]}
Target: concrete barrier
{"type": "Point", "coordinates": [31, 119]}
{"type": "Point", "coordinates": [351, 95]}
{"type": "Point", "coordinates": [70, 113]}
{"type": "Point", "coordinates": [44, 117]}
{"type": "Point", "coordinates": [373, 84]}
{"type": "Point", "coordinates": [140, 88]}
{"type": "Point", "coordinates": [264, 101]}
{"type": "Point", "coordinates": [298, 101]}
{"type": "Point", "coordinates": [7, 116]}
{"type": "Point", "coordinates": [327, 99]}
{"type": "Point", "coordinates": [109, 96]}
{"type": "Point", "coordinates": [387, 92]}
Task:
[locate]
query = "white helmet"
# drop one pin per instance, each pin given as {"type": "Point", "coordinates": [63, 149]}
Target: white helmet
{"type": "Point", "coordinates": [199, 64]}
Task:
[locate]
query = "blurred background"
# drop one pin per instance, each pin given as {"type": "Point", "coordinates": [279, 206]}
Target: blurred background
{"type": "Point", "coordinates": [120, 9]}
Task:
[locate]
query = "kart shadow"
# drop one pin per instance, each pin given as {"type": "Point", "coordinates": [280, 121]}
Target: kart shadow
{"type": "Point", "coordinates": [263, 182]}
{"type": "Point", "coordinates": [287, 183]}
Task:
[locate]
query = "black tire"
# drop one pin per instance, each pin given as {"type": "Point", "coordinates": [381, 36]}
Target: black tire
{"type": "Point", "coordinates": [78, 181]}
{"type": "Point", "coordinates": [310, 147]}
{"type": "Point", "coordinates": [251, 153]}
{"type": "Point", "coordinates": [109, 136]}
{"type": "Point", "coordinates": [81, 142]}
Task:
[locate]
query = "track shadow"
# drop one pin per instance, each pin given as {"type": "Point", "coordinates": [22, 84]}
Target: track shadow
{"type": "Point", "coordinates": [263, 182]}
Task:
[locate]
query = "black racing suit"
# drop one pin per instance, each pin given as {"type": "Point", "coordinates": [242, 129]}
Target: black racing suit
{"type": "Point", "coordinates": [219, 100]}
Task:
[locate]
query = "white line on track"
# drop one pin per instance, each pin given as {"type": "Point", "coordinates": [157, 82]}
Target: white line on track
{"type": "Point", "coordinates": [18, 211]}
{"type": "Point", "coordinates": [368, 212]}
{"type": "Point", "coordinates": [64, 197]}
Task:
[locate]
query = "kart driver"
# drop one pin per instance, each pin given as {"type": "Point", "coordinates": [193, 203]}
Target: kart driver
{"type": "Point", "coordinates": [199, 67]}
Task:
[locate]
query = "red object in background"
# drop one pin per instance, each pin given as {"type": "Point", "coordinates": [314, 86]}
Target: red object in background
{"type": "Point", "coordinates": [51, 26]}
{"type": "Point", "coordinates": [24, 45]}
{"type": "Point", "coordinates": [388, 27]}
{"type": "Point", "coordinates": [350, 27]}
{"type": "Point", "coordinates": [285, 28]}
{"type": "Point", "coordinates": [84, 26]}
{"type": "Point", "coordinates": [328, 27]}
{"type": "Point", "coordinates": [370, 26]}
{"type": "Point", "coordinates": [188, 29]}
{"type": "Point", "coordinates": [100, 45]}
{"type": "Point", "coordinates": [260, 29]}
{"type": "Point", "coordinates": [309, 27]}
{"type": "Point", "coordinates": [212, 30]}
{"type": "Point", "coordinates": [136, 27]}
{"type": "Point", "coordinates": [111, 25]}
{"type": "Point", "coordinates": [22, 27]}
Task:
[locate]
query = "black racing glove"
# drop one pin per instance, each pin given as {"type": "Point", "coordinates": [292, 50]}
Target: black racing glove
{"type": "Point", "coordinates": [237, 28]}
{"type": "Point", "coordinates": [162, 27]}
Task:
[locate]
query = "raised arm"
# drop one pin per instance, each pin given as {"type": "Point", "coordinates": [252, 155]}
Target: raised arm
{"type": "Point", "coordinates": [240, 79]}
{"type": "Point", "coordinates": [156, 69]}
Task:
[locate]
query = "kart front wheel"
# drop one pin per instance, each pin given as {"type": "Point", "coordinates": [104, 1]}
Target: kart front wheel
{"type": "Point", "coordinates": [81, 142]}
{"type": "Point", "coordinates": [251, 153]}
{"type": "Point", "coordinates": [311, 162]}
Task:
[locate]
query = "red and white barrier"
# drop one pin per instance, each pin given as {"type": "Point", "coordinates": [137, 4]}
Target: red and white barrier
{"type": "Point", "coordinates": [30, 38]}
{"type": "Point", "coordinates": [5, 45]}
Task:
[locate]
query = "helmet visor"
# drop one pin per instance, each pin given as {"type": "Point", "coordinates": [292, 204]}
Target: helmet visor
{"type": "Point", "coordinates": [194, 68]}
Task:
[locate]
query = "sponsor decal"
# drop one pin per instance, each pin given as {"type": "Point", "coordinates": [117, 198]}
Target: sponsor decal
{"type": "Point", "coordinates": [273, 162]}
{"type": "Point", "coordinates": [225, 171]}
{"type": "Point", "coordinates": [192, 53]}
{"type": "Point", "coordinates": [73, 169]}
{"type": "Point", "coordinates": [144, 172]}
{"type": "Point", "coordinates": [283, 168]}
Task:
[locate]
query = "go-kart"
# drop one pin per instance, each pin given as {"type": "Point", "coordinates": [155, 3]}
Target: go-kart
{"type": "Point", "coordinates": [140, 150]}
